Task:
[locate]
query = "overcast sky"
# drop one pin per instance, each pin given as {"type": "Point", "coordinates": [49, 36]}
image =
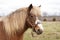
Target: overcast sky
{"type": "Point", "coordinates": [50, 6]}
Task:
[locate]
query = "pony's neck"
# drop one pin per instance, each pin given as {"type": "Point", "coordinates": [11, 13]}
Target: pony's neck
{"type": "Point", "coordinates": [21, 32]}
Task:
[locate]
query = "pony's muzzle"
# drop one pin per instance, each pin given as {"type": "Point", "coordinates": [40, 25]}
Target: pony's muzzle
{"type": "Point", "coordinates": [39, 31]}
{"type": "Point", "coordinates": [39, 28]}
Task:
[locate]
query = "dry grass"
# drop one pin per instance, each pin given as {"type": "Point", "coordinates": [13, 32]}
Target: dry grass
{"type": "Point", "coordinates": [51, 32]}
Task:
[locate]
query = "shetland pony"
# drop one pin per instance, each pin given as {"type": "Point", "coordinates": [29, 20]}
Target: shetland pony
{"type": "Point", "coordinates": [13, 26]}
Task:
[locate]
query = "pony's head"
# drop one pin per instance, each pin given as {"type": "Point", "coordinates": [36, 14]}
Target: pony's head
{"type": "Point", "coordinates": [32, 19]}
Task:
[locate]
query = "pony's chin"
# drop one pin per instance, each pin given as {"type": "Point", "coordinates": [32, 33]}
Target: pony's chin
{"type": "Point", "coordinates": [38, 33]}
{"type": "Point", "coordinates": [34, 34]}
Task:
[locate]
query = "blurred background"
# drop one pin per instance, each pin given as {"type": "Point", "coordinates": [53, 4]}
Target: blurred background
{"type": "Point", "coordinates": [50, 10]}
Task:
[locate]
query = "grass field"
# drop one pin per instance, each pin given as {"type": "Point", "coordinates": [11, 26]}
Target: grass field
{"type": "Point", "coordinates": [51, 32]}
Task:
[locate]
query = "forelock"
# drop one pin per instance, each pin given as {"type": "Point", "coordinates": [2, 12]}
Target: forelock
{"type": "Point", "coordinates": [35, 11]}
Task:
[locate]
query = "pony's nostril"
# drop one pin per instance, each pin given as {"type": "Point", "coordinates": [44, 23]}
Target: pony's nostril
{"type": "Point", "coordinates": [38, 30]}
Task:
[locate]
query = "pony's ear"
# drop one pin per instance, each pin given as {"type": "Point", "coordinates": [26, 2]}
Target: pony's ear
{"type": "Point", "coordinates": [30, 7]}
{"type": "Point", "coordinates": [40, 6]}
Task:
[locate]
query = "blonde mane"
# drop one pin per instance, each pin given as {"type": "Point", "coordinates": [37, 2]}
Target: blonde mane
{"type": "Point", "coordinates": [15, 21]}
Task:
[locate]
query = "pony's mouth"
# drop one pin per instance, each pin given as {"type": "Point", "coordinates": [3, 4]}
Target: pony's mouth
{"type": "Point", "coordinates": [38, 32]}
{"type": "Point", "coordinates": [35, 33]}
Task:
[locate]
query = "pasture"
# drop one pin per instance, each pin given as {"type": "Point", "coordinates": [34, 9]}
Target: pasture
{"type": "Point", "coordinates": [51, 32]}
